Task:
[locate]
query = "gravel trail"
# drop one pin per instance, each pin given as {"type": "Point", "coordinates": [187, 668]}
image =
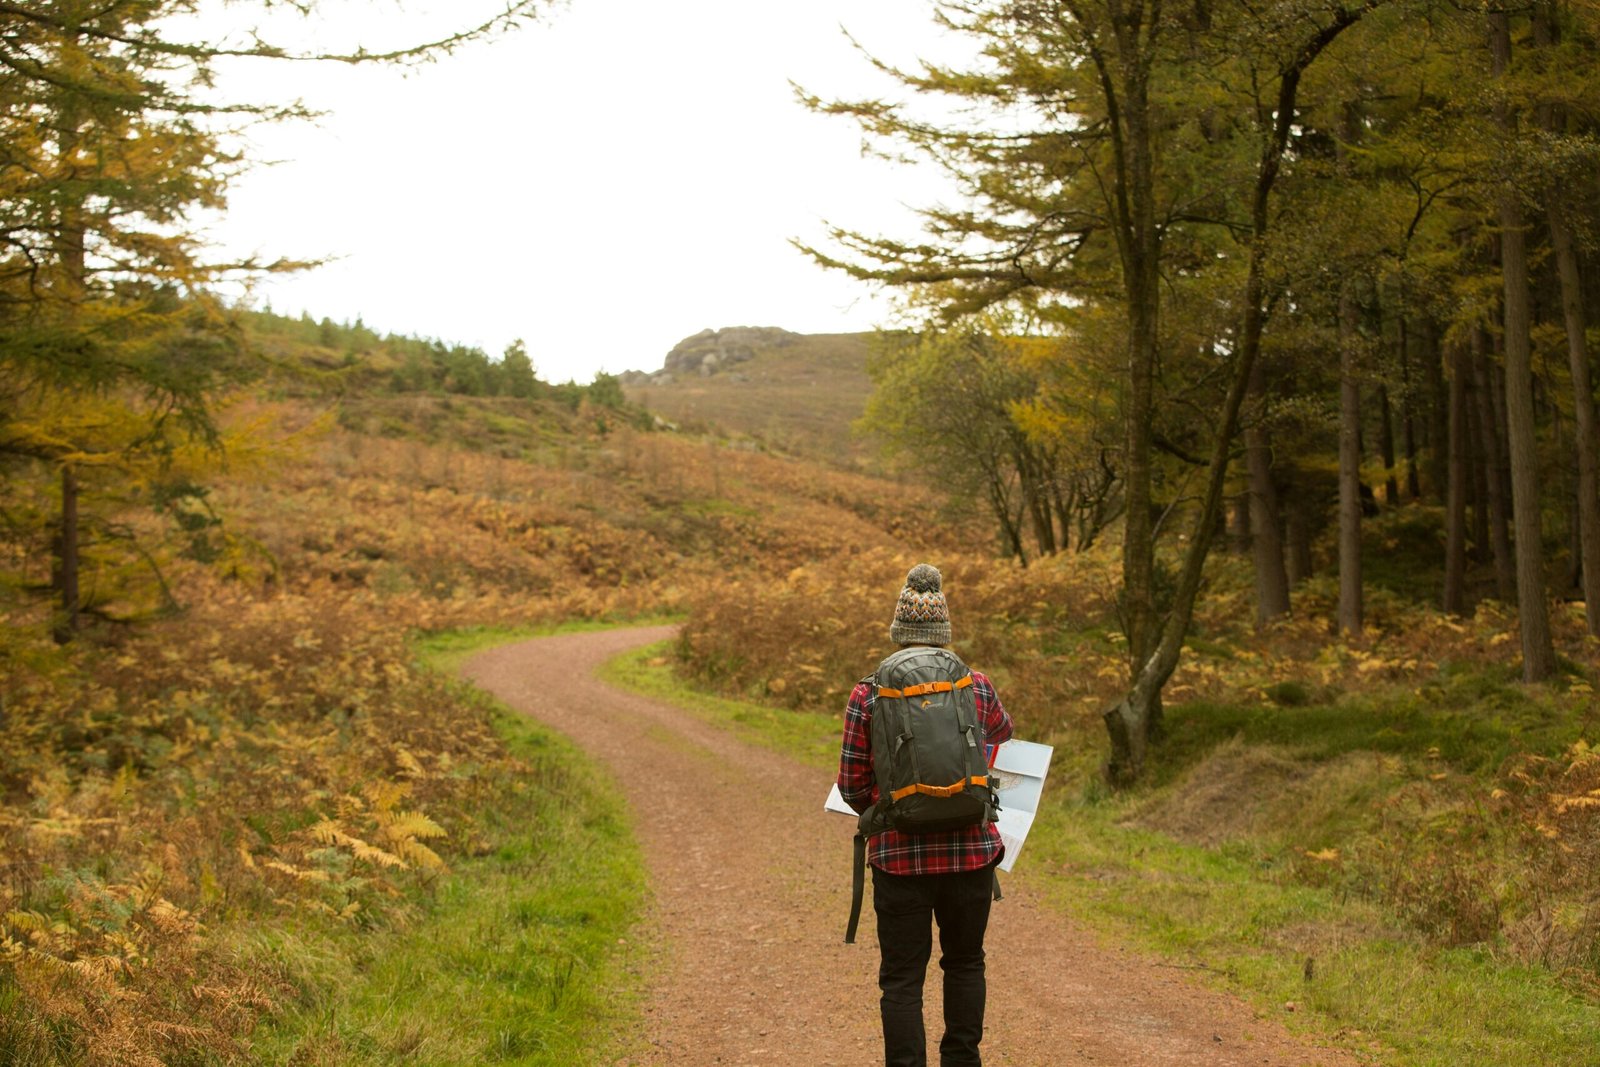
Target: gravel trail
{"type": "Point", "coordinates": [751, 885]}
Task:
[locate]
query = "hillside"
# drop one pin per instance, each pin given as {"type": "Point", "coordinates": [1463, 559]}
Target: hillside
{"type": "Point", "coordinates": [241, 739]}
{"type": "Point", "coordinates": [237, 759]}
{"type": "Point", "coordinates": [795, 393]}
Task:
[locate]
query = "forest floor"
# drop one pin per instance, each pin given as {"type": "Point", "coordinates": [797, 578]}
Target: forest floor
{"type": "Point", "coordinates": [750, 881]}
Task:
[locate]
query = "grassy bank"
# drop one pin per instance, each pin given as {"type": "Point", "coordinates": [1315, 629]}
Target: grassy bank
{"type": "Point", "coordinates": [271, 835]}
{"type": "Point", "coordinates": [526, 953]}
{"type": "Point", "coordinates": [1272, 905]}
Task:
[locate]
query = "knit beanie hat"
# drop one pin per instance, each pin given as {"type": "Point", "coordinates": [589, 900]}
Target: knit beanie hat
{"type": "Point", "coordinates": [921, 616]}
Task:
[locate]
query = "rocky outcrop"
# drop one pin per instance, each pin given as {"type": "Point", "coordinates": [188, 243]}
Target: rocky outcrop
{"type": "Point", "coordinates": [713, 351]}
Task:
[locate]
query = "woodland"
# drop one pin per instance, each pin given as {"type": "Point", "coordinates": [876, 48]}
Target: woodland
{"type": "Point", "coordinates": [1262, 472]}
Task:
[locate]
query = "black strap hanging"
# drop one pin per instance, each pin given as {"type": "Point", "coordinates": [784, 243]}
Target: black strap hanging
{"type": "Point", "coordinates": [858, 882]}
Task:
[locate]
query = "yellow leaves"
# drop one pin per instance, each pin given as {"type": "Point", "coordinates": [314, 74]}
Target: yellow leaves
{"type": "Point", "coordinates": [409, 766]}
{"type": "Point", "coordinates": [101, 971]}
{"type": "Point", "coordinates": [384, 795]}
{"type": "Point", "coordinates": [400, 832]}
{"type": "Point", "coordinates": [421, 855]}
{"type": "Point", "coordinates": [303, 874]}
{"type": "Point", "coordinates": [409, 824]}
{"type": "Point", "coordinates": [1325, 855]}
{"type": "Point", "coordinates": [169, 918]}
{"type": "Point", "coordinates": [29, 922]}
{"type": "Point", "coordinates": [328, 832]}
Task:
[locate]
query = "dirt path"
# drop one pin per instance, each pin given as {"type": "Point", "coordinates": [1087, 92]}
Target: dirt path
{"type": "Point", "coordinates": [751, 883]}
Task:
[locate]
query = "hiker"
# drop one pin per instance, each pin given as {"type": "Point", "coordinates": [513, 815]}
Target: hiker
{"type": "Point", "coordinates": [926, 872]}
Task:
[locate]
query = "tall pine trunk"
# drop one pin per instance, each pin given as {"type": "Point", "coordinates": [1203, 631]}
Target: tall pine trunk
{"type": "Point", "coordinates": [1408, 416]}
{"type": "Point", "coordinates": [1123, 64]}
{"type": "Point", "coordinates": [1538, 649]}
{"type": "Point", "coordinates": [1455, 539]}
{"type": "Point", "coordinates": [1586, 434]}
{"type": "Point", "coordinates": [1491, 448]}
{"type": "Point", "coordinates": [1350, 604]}
{"type": "Point", "coordinates": [1391, 485]}
{"type": "Point", "coordinates": [1438, 408]}
{"type": "Point", "coordinates": [1129, 722]}
{"type": "Point", "coordinates": [1266, 541]}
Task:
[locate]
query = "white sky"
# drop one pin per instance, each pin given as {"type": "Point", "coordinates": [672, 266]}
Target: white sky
{"type": "Point", "coordinates": [601, 183]}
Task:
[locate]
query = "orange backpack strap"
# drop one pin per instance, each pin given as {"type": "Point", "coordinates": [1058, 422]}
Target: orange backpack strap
{"type": "Point", "coordinates": [925, 688]}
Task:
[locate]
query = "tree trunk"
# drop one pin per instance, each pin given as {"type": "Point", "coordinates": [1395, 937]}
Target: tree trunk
{"type": "Point", "coordinates": [1127, 722]}
{"type": "Point", "coordinates": [1391, 485]}
{"type": "Point", "coordinates": [1239, 524]}
{"type": "Point", "coordinates": [1350, 604]}
{"type": "Point", "coordinates": [1123, 65]}
{"type": "Point", "coordinates": [1408, 416]}
{"type": "Point", "coordinates": [1297, 531]}
{"type": "Point", "coordinates": [1455, 539]}
{"type": "Point", "coordinates": [1586, 433]}
{"type": "Point", "coordinates": [1538, 650]}
{"type": "Point", "coordinates": [1438, 408]}
{"type": "Point", "coordinates": [1266, 540]}
{"type": "Point", "coordinates": [1035, 499]}
{"type": "Point", "coordinates": [1477, 486]}
{"type": "Point", "coordinates": [66, 626]}
{"type": "Point", "coordinates": [1505, 571]}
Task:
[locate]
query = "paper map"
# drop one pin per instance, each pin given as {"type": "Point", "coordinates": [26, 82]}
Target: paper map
{"type": "Point", "coordinates": [1021, 767]}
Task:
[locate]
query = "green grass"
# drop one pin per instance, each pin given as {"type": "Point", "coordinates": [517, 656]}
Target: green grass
{"type": "Point", "coordinates": [1471, 717]}
{"type": "Point", "coordinates": [1222, 911]}
{"type": "Point", "coordinates": [446, 650]}
{"type": "Point", "coordinates": [1237, 914]}
{"type": "Point", "coordinates": [527, 952]}
{"type": "Point", "coordinates": [804, 735]}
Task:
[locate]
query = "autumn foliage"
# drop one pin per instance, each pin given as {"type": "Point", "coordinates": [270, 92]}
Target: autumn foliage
{"type": "Point", "coordinates": [270, 753]}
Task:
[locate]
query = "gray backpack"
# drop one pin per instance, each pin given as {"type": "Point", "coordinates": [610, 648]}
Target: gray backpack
{"type": "Point", "coordinates": [927, 754]}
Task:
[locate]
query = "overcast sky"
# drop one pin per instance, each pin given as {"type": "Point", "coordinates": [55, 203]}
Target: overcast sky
{"type": "Point", "coordinates": [600, 183]}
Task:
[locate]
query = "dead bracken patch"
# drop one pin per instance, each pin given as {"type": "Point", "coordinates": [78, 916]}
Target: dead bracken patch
{"type": "Point", "coordinates": [1225, 796]}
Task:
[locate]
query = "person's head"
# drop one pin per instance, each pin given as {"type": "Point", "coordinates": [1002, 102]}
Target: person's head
{"type": "Point", "coordinates": [921, 616]}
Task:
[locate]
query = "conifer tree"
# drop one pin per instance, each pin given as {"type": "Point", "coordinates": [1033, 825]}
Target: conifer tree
{"type": "Point", "coordinates": [112, 347]}
{"type": "Point", "coordinates": [1082, 180]}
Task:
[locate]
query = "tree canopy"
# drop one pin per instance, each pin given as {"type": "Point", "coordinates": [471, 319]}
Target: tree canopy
{"type": "Point", "coordinates": [1333, 253]}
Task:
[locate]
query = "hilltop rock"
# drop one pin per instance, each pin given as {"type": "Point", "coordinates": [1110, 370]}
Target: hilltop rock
{"type": "Point", "coordinates": [712, 351]}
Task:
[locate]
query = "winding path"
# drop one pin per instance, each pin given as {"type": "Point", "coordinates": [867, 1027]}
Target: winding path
{"type": "Point", "coordinates": [751, 889]}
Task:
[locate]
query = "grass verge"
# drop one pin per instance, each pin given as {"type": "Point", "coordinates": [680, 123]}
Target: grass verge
{"type": "Point", "coordinates": [804, 735]}
{"type": "Point", "coordinates": [1325, 962]}
{"type": "Point", "coordinates": [525, 953]}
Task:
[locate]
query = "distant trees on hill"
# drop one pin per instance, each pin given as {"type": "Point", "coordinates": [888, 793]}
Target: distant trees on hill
{"type": "Point", "coordinates": [397, 363]}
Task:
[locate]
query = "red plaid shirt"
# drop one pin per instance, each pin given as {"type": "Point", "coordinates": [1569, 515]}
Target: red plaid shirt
{"type": "Point", "coordinates": [896, 853]}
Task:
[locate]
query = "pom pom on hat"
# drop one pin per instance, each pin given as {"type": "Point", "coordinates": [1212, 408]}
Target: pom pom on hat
{"type": "Point", "coordinates": [924, 578]}
{"type": "Point", "coordinates": [921, 615]}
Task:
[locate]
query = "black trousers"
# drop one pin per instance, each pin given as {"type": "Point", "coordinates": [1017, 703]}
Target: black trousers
{"type": "Point", "coordinates": [907, 906]}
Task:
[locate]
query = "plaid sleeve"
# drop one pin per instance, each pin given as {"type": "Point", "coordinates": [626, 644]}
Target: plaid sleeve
{"type": "Point", "coordinates": [996, 722]}
{"type": "Point", "coordinates": [857, 783]}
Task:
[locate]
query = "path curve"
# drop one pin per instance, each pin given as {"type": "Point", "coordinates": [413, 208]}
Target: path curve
{"type": "Point", "coordinates": [751, 890]}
